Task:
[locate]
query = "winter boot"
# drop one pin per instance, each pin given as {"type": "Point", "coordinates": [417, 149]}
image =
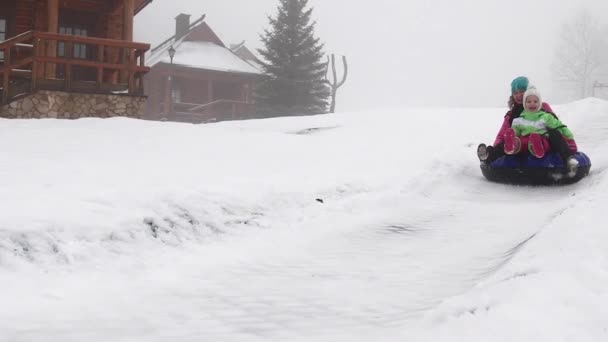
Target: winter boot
{"type": "Point", "coordinates": [482, 152]}
{"type": "Point", "coordinates": [571, 166]}
{"type": "Point", "coordinates": [535, 145]}
{"type": "Point", "coordinates": [512, 143]}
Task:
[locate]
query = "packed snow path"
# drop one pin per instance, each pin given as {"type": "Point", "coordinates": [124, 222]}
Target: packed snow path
{"type": "Point", "coordinates": [248, 263]}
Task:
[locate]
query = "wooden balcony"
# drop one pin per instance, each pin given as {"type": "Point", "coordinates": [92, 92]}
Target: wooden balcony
{"type": "Point", "coordinates": [47, 61]}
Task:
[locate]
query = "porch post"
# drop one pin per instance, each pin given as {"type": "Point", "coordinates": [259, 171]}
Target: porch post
{"type": "Point", "coordinates": [209, 110]}
{"type": "Point", "coordinates": [127, 20]}
{"type": "Point", "coordinates": [210, 90]}
{"type": "Point", "coordinates": [168, 96]}
{"type": "Point", "coordinates": [127, 35]}
{"type": "Point", "coordinates": [245, 92]}
{"type": "Point", "coordinates": [53, 27]}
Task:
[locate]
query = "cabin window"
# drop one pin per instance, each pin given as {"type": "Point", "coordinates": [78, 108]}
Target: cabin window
{"type": "Point", "coordinates": [80, 50]}
{"type": "Point", "coordinates": [2, 29]}
{"type": "Point", "coordinates": [176, 94]}
{"type": "Point", "coordinates": [2, 35]}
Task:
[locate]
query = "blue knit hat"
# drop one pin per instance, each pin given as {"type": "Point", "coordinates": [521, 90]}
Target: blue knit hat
{"type": "Point", "coordinates": [520, 83]}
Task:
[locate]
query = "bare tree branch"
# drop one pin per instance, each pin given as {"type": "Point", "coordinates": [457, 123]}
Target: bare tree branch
{"type": "Point", "coordinates": [579, 53]}
{"type": "Point", "coordinates": [334, 83]}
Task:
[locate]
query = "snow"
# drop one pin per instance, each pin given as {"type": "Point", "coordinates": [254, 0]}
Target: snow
{"type": "Point", "coordinates": [203, 55]}
{"type": "Point", "coordinates": [127, 230]}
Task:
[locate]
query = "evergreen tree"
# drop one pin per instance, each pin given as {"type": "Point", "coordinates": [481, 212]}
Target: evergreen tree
{"type": "Point", "coordinates": [293, 63]}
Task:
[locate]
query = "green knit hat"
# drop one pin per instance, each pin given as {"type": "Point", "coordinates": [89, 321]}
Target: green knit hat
{"type": "Point", "coordinates": [520, 83]}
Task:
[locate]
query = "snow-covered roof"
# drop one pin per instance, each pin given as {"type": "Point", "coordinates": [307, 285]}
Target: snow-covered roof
{"type": "Point", "coordinates": [237, 46]}
{"type": "Point", "coordinates": [256, 64]}
{"type": "Point", "coordinates": [242, 51]}
{"type": "Point", "coordinates": [203, 55]}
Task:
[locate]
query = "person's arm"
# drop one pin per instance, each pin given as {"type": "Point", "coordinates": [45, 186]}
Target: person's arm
{"type": "Point", "coordinates": [500, 137]}
{"type": "Point", "coordinates": [553, 123]}
{"type": "Point", "coordinates": [547, 108]}
{"type": "Point", "coordinates": [518, 129]}
{"type": "Point", "coordinates": [572, 145]}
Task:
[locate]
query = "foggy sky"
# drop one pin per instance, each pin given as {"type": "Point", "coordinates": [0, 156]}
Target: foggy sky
{"type": "Point", "coordinates": [407, 53]}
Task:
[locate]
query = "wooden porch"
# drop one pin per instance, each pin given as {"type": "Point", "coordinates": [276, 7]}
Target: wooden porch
{"type": "Point", "coordinates": [76, 46]}
{"type": "Point", "coordinates": [218, 110]}
{"type": "Point", "coordinates": [184, 94]}
{"type": "Point", "coordinates": [49, 61]}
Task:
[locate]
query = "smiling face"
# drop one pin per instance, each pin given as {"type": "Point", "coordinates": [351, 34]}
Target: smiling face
{"type": "Point", "coordinates": [518, 96]}
{"type": "Point", "coordinates": [532, 103]}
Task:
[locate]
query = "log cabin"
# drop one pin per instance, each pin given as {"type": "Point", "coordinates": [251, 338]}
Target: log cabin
{"type": "Point", "coordinates": [70, 59]}
{"type": "Point", "coordinates": [196, 78]}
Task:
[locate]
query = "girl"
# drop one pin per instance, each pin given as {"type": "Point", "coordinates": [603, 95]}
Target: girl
{"type": "Point", "coordinates": [537, 131]}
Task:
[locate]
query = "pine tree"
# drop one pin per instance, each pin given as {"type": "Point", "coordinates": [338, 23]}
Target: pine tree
{"type": "Point", "coordinates": [293, 63]}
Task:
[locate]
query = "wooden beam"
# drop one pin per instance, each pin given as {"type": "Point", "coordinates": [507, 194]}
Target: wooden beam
{"type": "Point", "coordinates": [34, 84]}
{"type": "Point", "coordinates": [210, 90]}
{"type": "Point", "coordinates": [20, 64]}
{"type": "Point", "coordinates": [127, 20]}
{"type": "Point", "coordinates": [100, 59]}
{"type": "Point", "coordinates": [168, 97]}
{"type": "Point", "coordinates": [53, 27]}
{"type": "Point", "coordinates": [5, 78]}
{"type": "Point", "coordinates": [128, 12]}
{"type": "Point", "coordinates": [93, 41]}
{"type": "Point", "coordinates": [53, 16]}
{"type": "Point", "coordinates": [131, 81]}
{"type": "Point", "coordinates": [93, 64]}
{"type": "Point", "coordinates": [69, 51]}
{"type": "Point", "coordinates": [203, 75]}
{"type": "Point", "coordinates": [40, 67]}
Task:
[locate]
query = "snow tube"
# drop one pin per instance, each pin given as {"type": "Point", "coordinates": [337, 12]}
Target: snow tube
{"type": "Point", "coordinates": [527, 170]}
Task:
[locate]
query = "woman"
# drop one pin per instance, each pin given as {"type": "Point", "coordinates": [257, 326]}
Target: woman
{"type": "Point", "coordinates": [518, 87]}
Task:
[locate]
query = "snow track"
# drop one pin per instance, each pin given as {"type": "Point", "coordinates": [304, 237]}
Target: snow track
{"type": "Point", "coordinates": [389, 247]}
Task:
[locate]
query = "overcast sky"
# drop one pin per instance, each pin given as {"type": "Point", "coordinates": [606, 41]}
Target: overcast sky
{"type": "Point", "coordinates": [407, 53]}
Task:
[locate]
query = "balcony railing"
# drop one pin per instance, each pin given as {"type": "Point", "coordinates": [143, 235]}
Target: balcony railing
{"type": "Point", "coordinates": [48, 61]}
{"type": "Point", "coordinates": [219, 110]}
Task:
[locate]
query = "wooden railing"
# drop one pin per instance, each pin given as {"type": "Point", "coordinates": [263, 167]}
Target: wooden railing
{"type": "Point", "coordinates": [219, 110]}
{"type": "Point", "coordinates": [12, 50]}
{"type": "Point", "coordinates": [50, 61]}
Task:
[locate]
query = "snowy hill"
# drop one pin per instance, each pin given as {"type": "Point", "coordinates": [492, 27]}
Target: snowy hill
{"type": "Point", "coordinates": [355, 226]}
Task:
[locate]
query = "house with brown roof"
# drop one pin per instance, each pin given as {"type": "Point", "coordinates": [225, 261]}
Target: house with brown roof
{"type": "Point", "coordinates": [195, 77]}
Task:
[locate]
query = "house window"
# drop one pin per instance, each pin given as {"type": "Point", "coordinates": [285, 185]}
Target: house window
{"type": "Point", "coordinates": [80, 50]}
{"type": "Point", "coordinates": [176, 94]}
{"type": "Point", "coordinates": [2, 36]}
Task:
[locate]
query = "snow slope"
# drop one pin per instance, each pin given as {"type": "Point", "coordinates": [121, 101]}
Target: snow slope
{"type": "Point", "coordinates": [128, 230]}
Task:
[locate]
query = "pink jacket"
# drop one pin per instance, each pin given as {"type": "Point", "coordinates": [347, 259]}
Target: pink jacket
{"type": "Point", "coordinates": [500, 137]}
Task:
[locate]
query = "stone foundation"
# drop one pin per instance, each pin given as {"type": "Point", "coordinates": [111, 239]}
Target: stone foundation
{"type": "Point", "coordinates": [62, 105]}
